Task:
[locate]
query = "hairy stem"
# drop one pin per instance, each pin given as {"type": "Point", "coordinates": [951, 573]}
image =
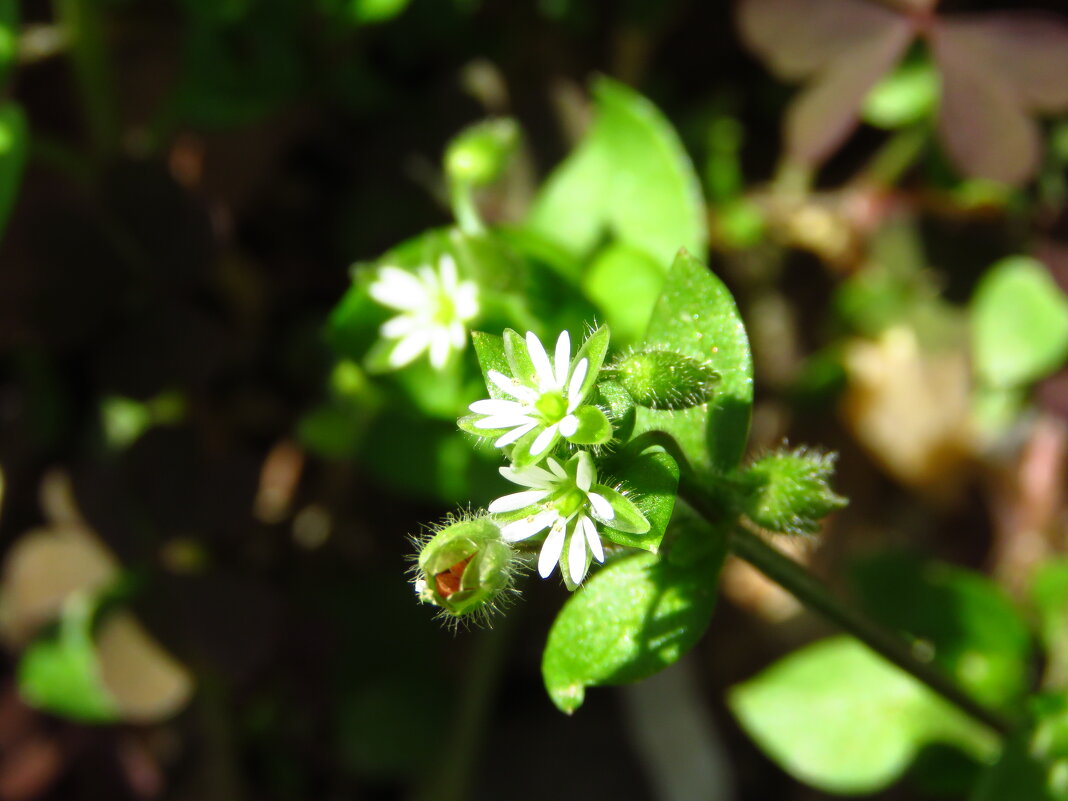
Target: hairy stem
{"type": "Point", "coordinates": [816, 596]}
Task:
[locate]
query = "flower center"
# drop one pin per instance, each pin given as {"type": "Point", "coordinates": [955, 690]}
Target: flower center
{"type": "Point", "coordinates": [570, 502]}
{"type": "Point", "coordinates": [552, 406]}
{"type": "Point", "coordinates": [444, 309]}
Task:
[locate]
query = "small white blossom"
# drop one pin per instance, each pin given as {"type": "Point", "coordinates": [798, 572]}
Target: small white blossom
{"type": "Point", "coordinates": [548, 401]}
{"type": "Point", "coordinates": [567, 501]}
{"type": "Point", "coordinates": [435, 307]}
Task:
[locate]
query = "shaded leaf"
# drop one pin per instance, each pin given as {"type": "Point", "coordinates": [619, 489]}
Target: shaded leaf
{"type": "Point", "coordinates": [840, 718]}
{"type": "Point", "coordinates": [1018, 773]}
{"type": "Point", "coordinates": [651, 480]}
{"type": "Point", "coordinates": [14, 136]}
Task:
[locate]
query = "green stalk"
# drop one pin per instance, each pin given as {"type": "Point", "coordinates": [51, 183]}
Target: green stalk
{"type": "Point", "coordinates": [817, 597]}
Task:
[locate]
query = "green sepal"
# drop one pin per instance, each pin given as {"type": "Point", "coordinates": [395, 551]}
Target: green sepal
{"type": "Point", "coordinates": [594, 350]}
{"type": "Point", "coordinates": [789, 491]}
{"type": "Point", "coordinates": [620, 407]}
{"type": "Point", "coordinates": [467, 424]}
{"type": "Point", "coordinates": [628, 518]}
{"type": "Point", "coordinates": [521, 455]}
{"type": "Point", "coordinates": [594, 427]}
{"type": "Point", "coordinates": [565, 559]}
{"type": "Point", "coordinates": [487, 573]}
{"type": "Point", "coordinates": [654, 479]}
{"type": "Point", "coordinates": [489, 348]}
{"type": "Point", "coordinates": [520, 365]}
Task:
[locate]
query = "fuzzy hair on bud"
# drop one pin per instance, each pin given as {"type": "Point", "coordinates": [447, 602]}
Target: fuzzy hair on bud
{"type": "Point", "coordinates": [789, 491]}
{"type": "Point", "coordinates": [465, 569]}
{"type": "Point", "coordinates": [664, 379]}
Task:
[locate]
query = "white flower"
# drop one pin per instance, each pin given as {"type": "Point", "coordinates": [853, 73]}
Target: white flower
{"type": "Point", "coordinates": [435, 307]}
{"type": "Point", "coordinates": [544, 395]}
{"type": "Point", "coordinates": [566, 500]}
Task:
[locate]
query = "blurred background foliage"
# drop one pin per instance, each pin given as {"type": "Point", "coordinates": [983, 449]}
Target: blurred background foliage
{"type": "Point", "coordinates": [208, 482]}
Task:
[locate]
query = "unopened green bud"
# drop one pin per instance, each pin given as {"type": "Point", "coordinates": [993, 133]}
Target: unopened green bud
{"type": "Point", "coordinates": [664, 379]}
{"type": "Point", "coordinates": [465, 568]}
{"type": "Point", "coordinates": [790, 492]}
{"type": "Point", "coordinates": [479, 154]}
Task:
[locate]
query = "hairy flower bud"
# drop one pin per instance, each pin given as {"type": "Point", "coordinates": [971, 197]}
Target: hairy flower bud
{"type": "Point", "coordinates": [664, 379]}
{"type": "Point", "coordinates": [479, 154]}
{"type": "Point", "coordinates": [465, 568]}
{"type": "Point", "coordinates": [789, 491]}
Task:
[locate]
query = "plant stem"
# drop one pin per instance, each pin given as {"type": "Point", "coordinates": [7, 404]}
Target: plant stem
{"type": "Point", "coordinates": [816, 596]}
{"type": "Point", "coordinates": [896, 156]}
{"type": "Point", "coordinates": [83, 24]}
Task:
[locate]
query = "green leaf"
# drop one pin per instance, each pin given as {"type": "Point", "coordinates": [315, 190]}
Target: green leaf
{"type": "Point", "coordinates": [1049, 596]}
{"type": "Point", "coordinates": [624, 281]}
{"type": "Point", "coordinates": [14, 137]}
{"type": "Point", "coordinates": [907, 95]}
{"type": "Point", "coordinates": [841, 719]}
{"type": "Point", "coordinates": [696, 316]}
{"type": "Point", "coordinates": [60, 673]}
{"type": "Point", "coordinates": [593, 349]}
{"type": "Point", "coordinates": [1019, 323]}
{"type": "Point", "coordinates": [1020, 774]}
{"type": "Point", "coordinates": [630, 620]}
{"type": "Point", "coordinates": [961, 618]}
{"type": "Point", "coordinates": [630, 177]}
{"type": "Point", "coordinates": [367, 11]}
{"type": "Point", "coordinates": [651, 480]}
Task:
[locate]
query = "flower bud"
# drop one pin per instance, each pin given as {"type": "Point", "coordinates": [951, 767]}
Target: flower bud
{"type": "Point", "coordinates": [465, 568]}
{"type": "Point", "coordinates": [789, 491]}
{"type": "Point", "coordinates": [479, 154]}
{"type": "Point", "coordinates": [664, 379]}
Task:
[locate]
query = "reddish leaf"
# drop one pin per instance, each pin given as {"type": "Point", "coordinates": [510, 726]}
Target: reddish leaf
{"type": "Point", "coordinates": [797, 38]}
{"type": "Point", "coordinates": [828, 110]}
{"type": "Point", "coordinates": [982, 121]}
{"type": "Point", "coordinates": [1027, 51]}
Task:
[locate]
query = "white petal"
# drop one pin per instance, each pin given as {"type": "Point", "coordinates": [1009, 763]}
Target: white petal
{"type": "Point", "coordinates": [398, 289]}
{"type": "Point", "coordinates": [569, 425]}
{"type": "Point", "coordinates": [439, 350]}
{"type": "Point", "coordinates": [574, 386]}
{"type": "Point", "coordinates": [513, 435]}
{"type": "Point", "coordinates": [496, 406]}
{"type": "Point", "coordinates": [516, 501]}
{"type": "Point", "coordinates": [430, 280]}
{"type": "Point", "coordinates": [409, 348]}
{"type": "Point", "coordinates": [563, 357]}
{"type": "Point", "coordinates": [401, 325]}
{"type": "Point", "coordinates": [554, 465]}
{"type": "Point", "coordinates": [544, 439]}
{"type": "Point", "coordinates": [576, 557]}
{"type": "Point", "coordinates": [551, 550]}
{"type": "Point", "coordinates": [601, 507]}
{"type": "Point", "coordinates": [543, 370]}
{"type": "Point", "coordinates": [586, 472]}
{"type": "Point", "coordinates": [457, 335]}
{"type": "Point", "coordinates": [447, 271]}
{"type": "Point", "coordinates": [465, 300]}
{"type": "Point", "coordinates": [530, 476]}
{"type": "Point", "coordinates": [512, 387]}
{"type": "Point", "coordinates": [503, 421]}
{"type": "Point", "coordinates": [527, 527]}
{"type": "Point", "coordinates": [592, 539]}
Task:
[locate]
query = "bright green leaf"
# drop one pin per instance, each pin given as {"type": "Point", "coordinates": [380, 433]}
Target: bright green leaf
{"type": "Point", "coordinates": [60, 673]}
{"type": "Point", "coordinates": [491, 356]}
{"type": "Point", "coordinates": [1019, 323]}
{"type": "Point", "coordinates": [630, 177]}
{"type": "Point", "coordinates": [841, 719]}
{"type": "Point", "coordinates": [624, 282]}
{"type": "Point", "coordinates": [630, 620]}
{"type": "Point", "coordinates": [696, 316]}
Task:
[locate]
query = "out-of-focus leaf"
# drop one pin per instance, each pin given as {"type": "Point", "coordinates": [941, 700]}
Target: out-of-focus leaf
{"type": "Point", "coordinates": [828, 110]}
{"type": "Point", "coordinates": [218, 11]}
{"type": "Point", "coordinates": [9, 36]}
{"type": "Point", "coordinates": [986, 132]}
{"type": "Point", "coordinates": [1019, 774]}
{"type": "Point", "coordinates": [624, 283]}
{"type": "Point", "coordinates": [1049, 596]}
{"type": "Point", "coordinates": [969, 626]}
{"type": "Point", "coordinates": [907, 95]}
{"type": "Point", "coordinates": [145, 683]}
{"type": "Point", "coordinates": [14, 136]}
{"type": "Point", "coordinates": [630, 620]}
{"type": "Point", "coordinates": [60, 673]}
{"type": "Point", "coordinates": [630, 177]}
{"type": "Point", "coordinates": [376, 10]}
{"type": "Point", "coordinates": [46, 567]}
{"type": "Point", "coordinates": [696, 316]}
{"type": "Point", "coordinates": [1019, 323]}
{"type": "Point", "coordinates": [841, 719]}
{"type": "Point", "coordinates": [844, 46]}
